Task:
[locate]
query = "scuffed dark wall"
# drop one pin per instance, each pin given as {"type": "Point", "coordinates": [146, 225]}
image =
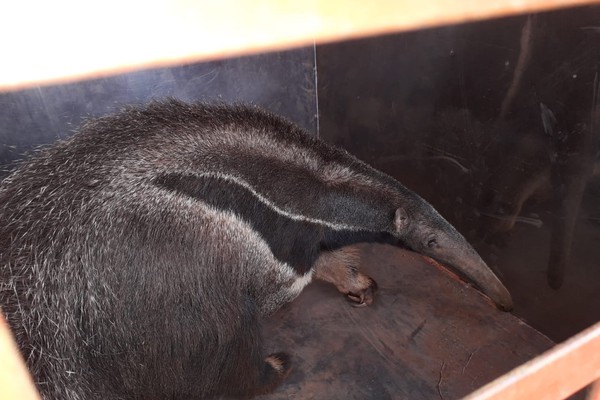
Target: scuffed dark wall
{"type": "Point", "coordinates": [496, 123]}
{"type": "Point", "coordinates": [282, 82]}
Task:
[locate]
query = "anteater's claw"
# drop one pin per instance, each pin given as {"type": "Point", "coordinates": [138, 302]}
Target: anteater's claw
{"type": "Point", "coordinates": [365, 296]}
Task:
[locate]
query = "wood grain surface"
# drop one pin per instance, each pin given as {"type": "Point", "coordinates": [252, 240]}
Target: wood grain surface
{"type": "Point", "coordinates": [428, 336]}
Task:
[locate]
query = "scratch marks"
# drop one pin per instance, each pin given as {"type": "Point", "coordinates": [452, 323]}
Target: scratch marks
{"type": "Point", "coordinates": [522, 61]}
{"type": "Point", "coordinates": [439, 384]}
{"type": "Point", "coordinates": [469, 360]}
{"type": "Point", "coordinates": [417, 330]}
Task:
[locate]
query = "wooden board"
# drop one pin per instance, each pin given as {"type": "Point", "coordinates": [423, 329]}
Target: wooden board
{"type": "Point", "coordinates": [554, 375]}
{"type": "Point", "coordinates": [15, 382]}
{"type": "Point", "coordinates": [428, 336]}
{"type": "Point", "coordinates": [63, 40]}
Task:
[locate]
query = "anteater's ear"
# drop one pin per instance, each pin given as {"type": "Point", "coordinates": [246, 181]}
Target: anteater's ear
{"type": "Point", "coordinates": [401, 221]}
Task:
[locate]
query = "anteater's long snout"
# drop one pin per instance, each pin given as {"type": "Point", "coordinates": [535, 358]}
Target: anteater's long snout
{"type": "Point", "coordinates": [428, 233]}
{"type": "Point", "coordinates": [473, 267]}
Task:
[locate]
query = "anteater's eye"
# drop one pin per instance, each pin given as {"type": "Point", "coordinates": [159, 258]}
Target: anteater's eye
{"type": "Point", "coordinates": [432, 242]}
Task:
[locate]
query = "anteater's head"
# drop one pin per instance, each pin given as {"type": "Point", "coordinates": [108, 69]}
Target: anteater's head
{"type": "Point", "coordinates": [424, 230]}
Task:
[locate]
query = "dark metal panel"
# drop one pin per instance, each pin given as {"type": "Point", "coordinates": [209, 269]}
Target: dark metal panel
{"type": "Point", "coordinates": [496, 124]}
{"type": "Point", "coordinates": [283, 82]}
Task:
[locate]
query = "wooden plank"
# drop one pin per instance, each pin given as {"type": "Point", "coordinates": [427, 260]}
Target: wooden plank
{"type": "Point", "coordinates": [556, 374]}
{"type": "Point", "coordinates": [62, 40]}
{"type": "Point", "coordinates": [594, 393]}
{"type": "Point", "coordinates": [15, 382]}
{"type": "Point", "coordinates": [427, 336]}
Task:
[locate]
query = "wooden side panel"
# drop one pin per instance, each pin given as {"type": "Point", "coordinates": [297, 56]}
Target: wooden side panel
{"type": "Point", "coordinates": [15, 383]}
{"type": "Point", "coordinates": [556, 374]}
{"type": "Point", "coordinates": [62, 40]}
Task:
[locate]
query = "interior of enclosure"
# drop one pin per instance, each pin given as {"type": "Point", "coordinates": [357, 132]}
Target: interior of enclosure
{"type": "Point", "coordinates": [495, 123]}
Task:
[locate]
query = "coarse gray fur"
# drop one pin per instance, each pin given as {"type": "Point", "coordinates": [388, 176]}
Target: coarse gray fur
{"type": "Point", "coordinates": [138, 257]}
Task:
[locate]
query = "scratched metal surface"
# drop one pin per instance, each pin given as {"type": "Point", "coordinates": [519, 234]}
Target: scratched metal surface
{"type": "Point", "coordinates": [427, 336]}
{"type": "Point", "coordinates": [282, 82]}
{"type": "Point", "coordinates": [496, 124]}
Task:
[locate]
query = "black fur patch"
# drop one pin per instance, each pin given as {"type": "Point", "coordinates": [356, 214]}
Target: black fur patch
{"type": "Point", "coordinates": [295, 242]}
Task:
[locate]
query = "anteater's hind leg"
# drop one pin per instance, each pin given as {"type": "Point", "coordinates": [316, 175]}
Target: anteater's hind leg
{"type": "Point", "coordinates": [248, 371]}
{"type": "Point", "coordinates": [275, 369]}
{"type": "Point", "coordinates": [270, 372]}
{"type": "Point", "coordinates": [340, 267]}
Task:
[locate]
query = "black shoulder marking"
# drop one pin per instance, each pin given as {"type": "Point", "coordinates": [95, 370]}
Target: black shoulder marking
{"type": "Point", "coordinates": [294, 242]}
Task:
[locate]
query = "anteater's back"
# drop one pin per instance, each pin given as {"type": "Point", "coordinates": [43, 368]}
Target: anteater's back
{"type": "Point", "coordinates": [118, 288]}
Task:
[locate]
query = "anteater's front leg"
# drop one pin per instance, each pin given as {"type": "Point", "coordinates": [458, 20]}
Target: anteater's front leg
{"type": "Point", "coordinates": [340, 267]}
